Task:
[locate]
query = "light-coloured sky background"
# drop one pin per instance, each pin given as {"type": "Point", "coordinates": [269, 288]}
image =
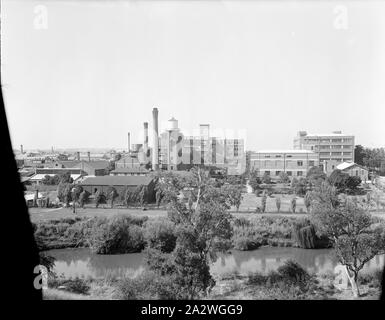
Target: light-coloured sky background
{"type": "Point", "coordinates": [267, 68]}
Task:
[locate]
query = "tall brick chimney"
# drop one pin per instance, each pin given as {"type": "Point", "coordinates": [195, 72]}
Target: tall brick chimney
{"type": "Point", "coordinates": [129, 141]}
{"type": "Point", "coordinates": [155, 151]}
{"type": "Point", "coordinates": [145, 142]}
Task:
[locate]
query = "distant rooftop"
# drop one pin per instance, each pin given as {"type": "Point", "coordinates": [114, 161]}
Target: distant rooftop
{"type": "Point", "coordinates": [130, 170]}
{"type": "Point", "coordinates": [117, 180]}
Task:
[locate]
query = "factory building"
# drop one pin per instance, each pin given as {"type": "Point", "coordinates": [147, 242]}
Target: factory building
{"type": "Point", "coordinates": [295, 163]}
{"type": "Point", "coordinates": [172, 150]}
{"type": "Point", "coordinates": [331, 148]}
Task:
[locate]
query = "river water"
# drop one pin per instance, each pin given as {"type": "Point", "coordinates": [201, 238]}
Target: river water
{"type": "Point", "coordinates": [82, 263]}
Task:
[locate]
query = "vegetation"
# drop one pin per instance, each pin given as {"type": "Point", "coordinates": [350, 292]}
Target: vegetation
{"type": "Point", "coordinates": [234, 194]}
{"type": "Point", "coordinates": [299, 187]}
{"type": "Point", "coordinates": [119, 234]}
{"type": "Point", "coordinates": [100, 198]}
{"type": "Point", "coordinates": [290, 281]}
{"type": "Point", "coordinates": [263, 202]}
{"type": "Point", "coordinates": [112, 194]}
{"type": "Point", "coordinates": [57, 179]}
{"type": "Point", "coordinates": [343, 182]}
{"type": "Point", "coordinates": [202, 230]}
{"type": "Point", "coordinates": [349, 226]}
{"type": "Point", "coordinates": [293, 204]}
{"type": "Point", "coordinates": [266, 178]}
{"type": "Point", "coordinates": [374, 158]}
{"type": "Point", "coordinates": [278, 203]}
{"type": "Point", "coordinates": [254, 181]}
{"type": "Point", "coordinates": [160, 235]}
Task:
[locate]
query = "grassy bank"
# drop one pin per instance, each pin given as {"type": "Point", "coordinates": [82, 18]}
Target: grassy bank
{"type": "Point", "coordinates": [126, 233]}
{"type": "Point", "coordinates": [290, 282]}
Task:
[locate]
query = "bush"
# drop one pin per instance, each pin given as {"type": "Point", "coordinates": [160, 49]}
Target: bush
{"type": "Point", "coordinates": [76, 285]}
{"type": "Point", "coordinates": [305, 235]}
{"type": "Point", "coordinates": [293, 273]}
{"type": "Point", "coordinates": [289, 277]}
{"type": "Point", "coordinates": [116, 235]}
{"type": "Point", "coordinates": [159, 234]}
{"type": "Point", "coordinates": [245, 243]}
{"type": "Point", "coordinates": [147, 286]}
{"type": "Point", "coordinates": [373, 278]}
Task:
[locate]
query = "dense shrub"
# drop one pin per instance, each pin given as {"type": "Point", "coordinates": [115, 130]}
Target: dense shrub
{"type": "Point", "coordinates": [305, 235]}
{"type": "Point", "coordinates": [290, 280]}
{"type": "Point", "coordinates": [116, 235]}
{"type": "Point", "coordinates": [77, 285]}
{"type": "Point", "coordinates": [149, 286]}
{"type": "Point", "coordinates": [372, 279]}
{"type": "Point", "coordinates": [160, 234]}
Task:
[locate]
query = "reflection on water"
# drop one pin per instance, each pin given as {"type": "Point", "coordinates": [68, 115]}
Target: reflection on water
{"type": "Point", "coordinates": [82, 263]}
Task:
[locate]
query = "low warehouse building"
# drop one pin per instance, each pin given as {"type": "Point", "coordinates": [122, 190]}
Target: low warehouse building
{"type": "Point", "coordinates": [354, 170]}
{"type": "Point", "coordinates": [121, 184]}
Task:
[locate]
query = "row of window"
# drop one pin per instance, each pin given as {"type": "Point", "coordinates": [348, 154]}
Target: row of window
{"type": "Point", "coordinates": [289, 173]}
{"type": "Point", "coordinates": [322, 147]}
{"type": "Point", "coordinates": [299, 163]}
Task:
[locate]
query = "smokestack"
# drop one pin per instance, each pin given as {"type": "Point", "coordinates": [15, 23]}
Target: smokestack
{"type": "Point", "coordinates": [145, 143]}
{"type": "Point", "coordinates": [129, 141]}
{"type": "Point", "coordinates": [21, 149]}
{"type": "Point", "coordinates": [78, 155]}
{"type": "Point", "coordinates": [89, 156]}
{"type": "Point", "coordinates": [155, 151]}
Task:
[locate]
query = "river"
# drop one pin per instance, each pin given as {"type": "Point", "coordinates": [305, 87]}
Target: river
{"type": "Point", "coordinates": [84, 264]}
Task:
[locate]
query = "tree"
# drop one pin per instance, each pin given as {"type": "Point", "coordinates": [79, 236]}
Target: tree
{"type": "Point", "coordinates": [266, 178]}
{"type": "Point", "coordinates": [254, 181]}
{"type": "Point", "coordinates": [352, 183]}
{"type": "Point", "coordinates": [359, 154]}
{"type": "Point", "coordinates": [307, 201]}
{"type": "Point", "coordinates": [202, 231]}
{"type": "Point", "coordinates": [99, 198]}
{"type": "Point", "coordinates": [112, 194]}
{"type": "Point", "coordinates": [278, 203]}
{"type": "Point", "coordinates": [325, 195]}
{"type": "Point", "coordinates": [299, 187]}
{"type": "Point", "coordinates": [234, 195]}
{"type": "Point", "coordinates": [293, 204]}
{"type": "Point", "coordinates": [83, 198]}
{"type": "Point", "coordinates": [128, 197]}
{"type": "Point", "coordinates": [65, 192]}
{"type": "Point", "coordinates": [338, 179]}
{"type": "Point", "coordinates": [349, 227]}
{"type": "Point", "coordinates": [143, 194]}
{"type": "Point", "coordinates": [283, 177]}
{"type": "Point", "coordinates": [65, 178]}
{"type": "Point", "coordinates": [263, 202]}
{"type": "Point", "coordinates": [315, 176]}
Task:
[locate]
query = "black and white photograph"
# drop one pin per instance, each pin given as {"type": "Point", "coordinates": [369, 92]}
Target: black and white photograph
{"type": "Point", "coordinates": [202, 151]}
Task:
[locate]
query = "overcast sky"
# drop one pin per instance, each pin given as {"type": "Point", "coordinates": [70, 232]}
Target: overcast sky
{"type": "Point", "coordinates": [93, 70]}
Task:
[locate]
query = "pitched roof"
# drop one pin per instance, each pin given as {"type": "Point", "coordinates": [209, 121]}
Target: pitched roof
{"type": "Point", "coordinates": [347, 165]}
{"type": "Point", "coordinates": [96, 164]}
{"type": "Point", "coordinates": [68, 163]}
{"type": "Point", "coordinates": [130, 170]}
{"type": "Point", "coordinates": [117, 180]}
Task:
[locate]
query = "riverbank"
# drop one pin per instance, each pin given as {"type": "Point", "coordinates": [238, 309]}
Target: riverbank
{"type": "Point", "coordinates": [248, 233]}
{"type": "Point", "coordinates": [255, 286]}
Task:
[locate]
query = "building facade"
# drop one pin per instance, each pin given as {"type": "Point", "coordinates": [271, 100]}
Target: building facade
{"type": "Point", "coordinates": [295, 163]}
{"type": "Point", "coordinates": [179, 152]}
{"type": "Point", "coordinates": [354, 170]}
{"type": "Point", "coordinates": [334, 148]}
